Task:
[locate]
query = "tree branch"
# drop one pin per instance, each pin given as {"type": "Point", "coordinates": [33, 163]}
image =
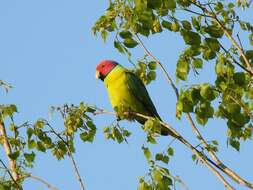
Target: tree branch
{"type": "Point", "coordinates": [8, 151]}
{"type": "Point", "coordinates": [169, 79]}
{"type": "Point", "coordinates": [223, 168]}
{"type": "Point", "coordinates": [235, 61]}
{"type": "Point", "coordinates": [175, 134]}
{"type": "Point", "coordinates": [78, 176]}
{"type": "Point", "coordinates": [42, 181]}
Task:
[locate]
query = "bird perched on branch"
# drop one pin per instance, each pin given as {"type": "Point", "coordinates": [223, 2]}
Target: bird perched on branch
{"type": "Point", "coordinates": [127, 91]}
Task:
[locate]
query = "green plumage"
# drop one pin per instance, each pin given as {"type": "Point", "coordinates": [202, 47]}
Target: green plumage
{"type": "Point", "coordinates": [126, 90]}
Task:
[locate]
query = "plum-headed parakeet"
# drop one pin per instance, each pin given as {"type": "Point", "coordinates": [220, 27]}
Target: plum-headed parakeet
{"type": "Point", "coordinates": [126, 90]}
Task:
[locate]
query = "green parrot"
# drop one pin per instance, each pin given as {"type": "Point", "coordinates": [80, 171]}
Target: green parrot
{"type": "Point", "coordinates": [126, 90]}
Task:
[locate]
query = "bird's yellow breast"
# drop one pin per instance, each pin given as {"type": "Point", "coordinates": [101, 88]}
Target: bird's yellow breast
{"type": "Point", "coordinates": [118, 90]}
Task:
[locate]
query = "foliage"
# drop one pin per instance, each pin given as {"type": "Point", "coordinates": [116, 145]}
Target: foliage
{"type": "Point", "coordinates": [203, 33]}
{"type": "Point", "coordinates": [204, 30]}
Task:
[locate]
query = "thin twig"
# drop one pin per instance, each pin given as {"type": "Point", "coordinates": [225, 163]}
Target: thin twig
{"type": "Point", "coordinates": [169, 79]}
{"type": "Point", "coordinates": [239, 39]}
{"type": "Point", "coordinates": [246, 110]}
{"type": "Point", "coordinates": [42, 181]}
{"type": "Point", "coordinates": [194, 12]}
{"type": "Point", "coordinates": [78, 176]}
{"type": "Point", "coordinates": [234, 60]}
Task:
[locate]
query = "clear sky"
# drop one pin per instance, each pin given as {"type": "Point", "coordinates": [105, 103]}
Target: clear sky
{"type": "Point", "coordinates": [48, 53]}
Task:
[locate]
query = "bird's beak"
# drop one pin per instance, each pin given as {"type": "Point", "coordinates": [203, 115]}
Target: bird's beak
{"type": "Point", "coordinates": [97, 74]}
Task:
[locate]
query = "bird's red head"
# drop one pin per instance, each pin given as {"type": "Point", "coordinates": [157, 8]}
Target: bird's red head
{"type": "Point", "coordinates": [104, 68]}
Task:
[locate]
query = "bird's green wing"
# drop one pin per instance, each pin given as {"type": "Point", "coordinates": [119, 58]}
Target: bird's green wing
{"type": "Point", "coordinates": [139, 91]}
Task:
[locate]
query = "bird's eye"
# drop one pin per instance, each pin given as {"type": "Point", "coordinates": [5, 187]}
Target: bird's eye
{"type": "Point", "coordinates": [103, 66]}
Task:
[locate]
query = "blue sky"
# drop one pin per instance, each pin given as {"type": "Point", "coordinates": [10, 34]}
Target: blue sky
{"type": "Point", "coordinates": [48, 53]}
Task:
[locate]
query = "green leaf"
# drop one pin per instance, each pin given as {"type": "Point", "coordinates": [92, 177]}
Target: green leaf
{"type": "Point", "coordinates": [179, 109]}
{"type": "Point", "coordinates": [197, 63]}
{"type": "Point", "coordinates": [85, 136]}
{"type": "Point", "coordinates": [152, 65]}
{"type": "Point", "coordinates": [29, 156]}
{"type": "Point", "coordinates": [154, 4]}
{"type": "Point", "coordinates": [144, 186]}
{"type": "Point", "coordinates": [31, 144]}
{"type": "Point", "coordinates": [130, 43]}
{"type": "Point", "coordinates": [146, 152]}
{"type": "Point", "coordinates": [104, 35]}
{"type": "Point", "coordinates": [194, 95]}
{"type": "Point", "coordinates": [151, 75]}
{"type": "Point", "coordinates": [119, 47]}
{"type": "Point", "coordinates": [171, 4]}
{"type": "Point", "coordinates": [125, 34]}
{"type": "Point", "coordinates": [191, 38]}
{"type": "Point", "coordinates": [184, 3]}
{"type": "Point", "coordinates": [231, 5]}
{"type": "Point", "coordinates": [8, 110]}
{"type": "Point", "coordinates": [151, 139]}
{"type": "Point", "coordinates": [175, 27]}
{"type": "Point", "coordinates": [240, 78]}
{"type": "Point", "coordinates": [117, 135]}
{"type": "Point", "coordinates": [195, 23]}
{"type": "Point", "coordinates": [208, 54]}
{"type": "Point", "coordinates": [183, 68]}
{"type": "Point", "coordinates": [235, 144]}
{"type": "Point", "coordinates": [240, 119]}
{"type": "Point", "coordinates": [161, 157]}
{"type": "Point", "coordinates": [29, 132]}
{"type": "Point", "coordinates": [194, 157]}
{"type": "Point", "coordinates": [207, 92]}
{"type": "Point", "coordinates": [214, 31]}
{"type": "Point", "coordinates": [14, 155]}
{"type": "Point", "coordinates": [187, 105]}
{"type": "Point", "coordinates": [218, 6]}
{"type": "Point", "coordinates": [233, 108]}
{"type": "Point", "coordinates": [170, 151]}
{"type": "Point", "coordinates": [201, 119]}
{"type": "Point", "coordinates": [213, 44]}
{"type": "Point", "coordinates": [156, 175]}
{"type": "Point", "coordinates": [41, 147]}
{"type": "Point", "coordinates": [156, 26]}
{"type": "Point", "coordinates": [126, 133]}
{"type": "Point", "coordinates": [40, 123]}
{"type": "Point", "coordinates": [167, 25]}
{"type": "Point", "coordinates": [186, 25]}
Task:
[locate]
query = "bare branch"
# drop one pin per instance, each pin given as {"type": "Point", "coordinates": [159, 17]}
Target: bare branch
{"type": "Point", "coordinates": [78, 176]}
{"type": "Point", "coordinates": [49, 186]}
